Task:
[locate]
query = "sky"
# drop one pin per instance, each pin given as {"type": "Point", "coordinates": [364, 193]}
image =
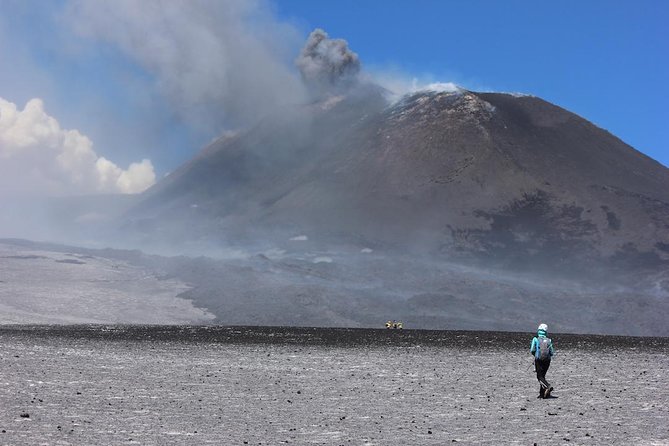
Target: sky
{"type": "Point", "coordinates": [108, 97]}
{"type": "Point", "coordinates": [607, 61]}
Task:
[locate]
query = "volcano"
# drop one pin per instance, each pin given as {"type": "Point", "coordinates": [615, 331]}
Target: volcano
{"type": "Point", "coordinates": [501, 180]}
{"type": "Point", "coordinates": [452, 209]}
{"type": "Point", "coordinates": [443, 209]}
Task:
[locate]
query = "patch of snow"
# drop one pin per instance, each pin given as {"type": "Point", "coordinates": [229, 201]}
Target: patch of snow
{"type": "Point", "coordinates": [299, 238]}
{"type": "Point", "coordinates": [228, 134]}
{"type": "Point", "coordinates": [323, 259]}
{"type": "Point", "coordinates": [517, 94]}
{"type": "Point", "coordinates": [331, 102]}
{"type": "Point", "coordinates": [366, 250]}
{"type": "Point", "coordinates": [274, 254]}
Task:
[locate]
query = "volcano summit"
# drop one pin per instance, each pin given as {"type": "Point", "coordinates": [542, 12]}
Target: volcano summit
{"type": "Point", "coordinates": [500, 180]}
{"type": "Point", "coordinates": [443, 208]}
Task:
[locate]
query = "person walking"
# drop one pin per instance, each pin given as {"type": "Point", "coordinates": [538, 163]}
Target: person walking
{"type": "Point", "coordinates": [542, 349]}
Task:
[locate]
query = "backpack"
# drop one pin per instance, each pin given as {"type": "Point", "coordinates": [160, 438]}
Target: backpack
{"type": "Point", "coordinates": [543, 348]}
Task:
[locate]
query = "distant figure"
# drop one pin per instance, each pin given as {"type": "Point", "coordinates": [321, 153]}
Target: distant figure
{"type": "Point", "coordinates": [394, 325]}
{"type": "Point", "coordinates": [542, 349]}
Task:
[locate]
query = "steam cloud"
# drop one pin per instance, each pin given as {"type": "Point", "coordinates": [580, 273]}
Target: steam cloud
{"type": "Point", "coordinates": [221, 64]}
{"type": "Point", "coordinates": [327, 64]}
{"type": "Point", "coordinates": [38, 156]}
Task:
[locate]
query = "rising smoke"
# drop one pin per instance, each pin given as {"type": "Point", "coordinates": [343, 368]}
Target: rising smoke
{"type": "Point", "coordinates": [327, 65]}
{"type": "Point", "coordinates": [220, 64]}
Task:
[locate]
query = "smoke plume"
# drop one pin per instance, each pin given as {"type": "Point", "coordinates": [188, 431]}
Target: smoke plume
{"type": "Point", "coordinates": [221, 64]}
{"type": "Point", "coordinates": [326, 64]}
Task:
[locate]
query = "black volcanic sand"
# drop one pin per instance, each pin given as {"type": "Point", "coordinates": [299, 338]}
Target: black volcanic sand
{"type": "Point", "coordinates": [242, 385]}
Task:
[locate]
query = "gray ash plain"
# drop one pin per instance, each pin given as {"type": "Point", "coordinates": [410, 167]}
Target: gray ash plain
{"type": "Point", "coordinates": [107, 384]}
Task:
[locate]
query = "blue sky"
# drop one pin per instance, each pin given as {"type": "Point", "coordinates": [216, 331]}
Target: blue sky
{"type": "Point", "coordinates": [607, 61]}
{"type": "Point", "coordinates": [112, 70]}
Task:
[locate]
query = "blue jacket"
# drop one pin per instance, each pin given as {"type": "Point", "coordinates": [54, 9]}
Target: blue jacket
{"type": "Point", "coordinates": [534, 347]}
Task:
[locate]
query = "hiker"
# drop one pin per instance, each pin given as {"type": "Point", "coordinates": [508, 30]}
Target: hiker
{"type": "Point", "coordinates": [542, 349]}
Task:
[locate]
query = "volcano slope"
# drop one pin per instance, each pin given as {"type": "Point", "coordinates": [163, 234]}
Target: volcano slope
{"type": "Point", "coordinates": [511, 181]}
{"type": "Point", "coordinates": [453, 208]}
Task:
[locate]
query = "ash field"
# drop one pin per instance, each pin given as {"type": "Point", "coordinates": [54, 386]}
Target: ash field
{"type": "Point", "coordinates": [97, 384]}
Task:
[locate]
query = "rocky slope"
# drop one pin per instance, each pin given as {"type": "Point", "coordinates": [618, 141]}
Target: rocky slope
{"type": "Point", "coordinates": [505, 181]}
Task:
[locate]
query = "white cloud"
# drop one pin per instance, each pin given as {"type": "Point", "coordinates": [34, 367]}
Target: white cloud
{"type": "Point", "coordinates": [137, 178]}
{"type": "Point", "coordinates": [38, 156]}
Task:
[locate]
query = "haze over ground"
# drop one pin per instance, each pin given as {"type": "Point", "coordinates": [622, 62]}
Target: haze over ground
{"type": "Point", "coordinates": [336, 185]}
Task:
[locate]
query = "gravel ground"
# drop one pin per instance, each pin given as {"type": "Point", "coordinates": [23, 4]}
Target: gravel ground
{"type": "Point", "coordinates": [229, 386]}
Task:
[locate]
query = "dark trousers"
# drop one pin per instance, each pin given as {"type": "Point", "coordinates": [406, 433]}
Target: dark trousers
{"type": "Point", "coordinates": [541, 366]}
